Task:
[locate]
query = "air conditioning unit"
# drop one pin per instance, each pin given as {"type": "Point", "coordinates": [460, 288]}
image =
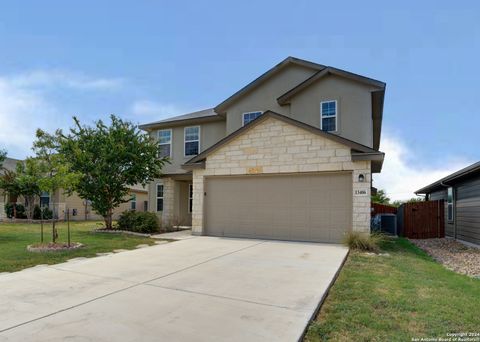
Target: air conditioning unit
{"type": "Point", "coordinates": [385, 223]}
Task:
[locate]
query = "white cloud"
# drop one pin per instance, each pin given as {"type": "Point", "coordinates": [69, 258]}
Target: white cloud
{"type": "Point", "coordinates": [25, 105]}
{"type": "Point", "coordinates": [146, 109]}
{"type": "Point", "coordinates": [64, 78]}
{"type": "Point", "coordinates": [21, 113]}
{"type": "Point", "coordinates": [400, 178]}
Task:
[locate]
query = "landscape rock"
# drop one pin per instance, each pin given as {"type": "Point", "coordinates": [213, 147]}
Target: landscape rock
{"type": "Point", "coordinates": [454, 255]}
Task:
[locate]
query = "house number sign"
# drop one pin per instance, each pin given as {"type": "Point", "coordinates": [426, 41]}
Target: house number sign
{"type": "Point", "coordinates": [360, 192]}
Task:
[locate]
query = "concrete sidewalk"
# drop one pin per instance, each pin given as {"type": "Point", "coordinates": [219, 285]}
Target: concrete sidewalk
{"type": "Point", "coordinates": [201, 288]}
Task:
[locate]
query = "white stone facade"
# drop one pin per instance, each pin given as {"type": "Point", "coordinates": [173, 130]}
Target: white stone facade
{"type": "Point", "coordinates": [168, 201]}
{"type": "Point", "coordinates": [274, 147]}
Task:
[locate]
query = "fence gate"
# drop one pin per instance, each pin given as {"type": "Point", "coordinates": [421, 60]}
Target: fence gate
{"type": "Point", "coordinates": [423, 220]}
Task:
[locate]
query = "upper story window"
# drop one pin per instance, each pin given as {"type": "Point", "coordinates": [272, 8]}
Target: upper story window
{"type": "Point", "coordinates": [250, 116]}
{"type": "Point", "coordinates": [328, 116]}
{"type": "Point", "coordinates": [450, 204]}
{"type": "Point", "coordinates": [192, 140]}
{"type": "Point", "coordinates": [165, 142]}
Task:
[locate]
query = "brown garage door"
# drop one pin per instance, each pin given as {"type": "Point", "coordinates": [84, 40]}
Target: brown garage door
{"type": "Point", "coordinates": [303, 207]}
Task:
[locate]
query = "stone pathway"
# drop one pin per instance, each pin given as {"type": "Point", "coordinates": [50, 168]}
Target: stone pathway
{"type": "Point", "coordinates": [453, 255]}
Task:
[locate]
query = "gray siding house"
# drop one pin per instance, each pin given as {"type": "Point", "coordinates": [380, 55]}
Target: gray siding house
{"type": "Point", "coordinates": [461, 192]}
{"type": "Point", "coordinates": [289, 156]}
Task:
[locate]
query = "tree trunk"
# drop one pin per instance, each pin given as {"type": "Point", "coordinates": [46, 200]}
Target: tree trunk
{"type": "Point", "coordinates": [15, 208]}
{"type": "Point", "coordinates": [31, 207]}
{"type": "Point", "coordinates": [54, 228]}
{"type": "Point", "coordinates": [108, 219]}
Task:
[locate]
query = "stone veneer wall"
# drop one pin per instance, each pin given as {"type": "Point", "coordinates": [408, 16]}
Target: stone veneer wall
{"type": "Point", "coordinates": [168, 201]}
{"type": "Point", "coordinates": [274, 146]}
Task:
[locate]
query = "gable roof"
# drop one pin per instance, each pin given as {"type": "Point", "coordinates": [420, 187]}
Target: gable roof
{"type": "Point", "coordinates": [283, 99]}
{"type": "Point", "coordinates": [203, 115]}
{"type": "Point", "coordinates": [359, 151]}
{"type": "Point", "coordinates": [377, 96]}
{"type": "Point", "coordinates": [264, 77]}
{"type": "Point", "coordinates": [442, 183]}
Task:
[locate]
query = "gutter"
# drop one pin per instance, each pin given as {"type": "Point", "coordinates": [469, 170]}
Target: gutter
{"type": "Point", "coordinates": [194, 166]}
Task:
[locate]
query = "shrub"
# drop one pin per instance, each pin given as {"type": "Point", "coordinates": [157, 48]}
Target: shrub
{"type": "Point", "coordinates": [137, 221]}
{"type": "Point", "coordinates": [364, 242]}
{"type": "Point", "coordinates": [47, 213]}
{"type": "Point", "coordinates": [37, 212]}
{"type": "Point", "coordinates": [20, 210]}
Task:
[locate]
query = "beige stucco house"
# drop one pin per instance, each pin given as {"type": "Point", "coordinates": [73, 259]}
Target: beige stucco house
{"type": "Point", "coordinates": [79, 208]}
{"type": "Point", "coordinates": [289, 156]}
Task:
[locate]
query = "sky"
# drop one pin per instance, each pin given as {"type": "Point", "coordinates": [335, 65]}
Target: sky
{"type": "Point", "coordinates": [147, 60]}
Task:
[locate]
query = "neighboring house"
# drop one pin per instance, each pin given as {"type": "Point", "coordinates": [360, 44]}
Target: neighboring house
{"type": "Point", "coordinates": [461, 193]}
{"type": "Point", "coordinates": [79, 208]}
{"type": "Point", "coordinates": [8, 164]}
{"type": "Point", "coordinates": [289, 156]}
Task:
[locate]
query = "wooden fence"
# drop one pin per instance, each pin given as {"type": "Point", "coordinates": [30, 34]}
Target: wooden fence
{"type": "Point", "coordinates": [422, 220]}
{"type": "Point", "coordinates": [378, 208]}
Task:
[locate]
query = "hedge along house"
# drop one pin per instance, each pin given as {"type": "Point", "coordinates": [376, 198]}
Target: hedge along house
{"type": "Point", "coordinates": [289, 156]}
{"type": "Point", "coordinates": [461, 193]}
{"type": "Point", "coordinates": [80, 209]}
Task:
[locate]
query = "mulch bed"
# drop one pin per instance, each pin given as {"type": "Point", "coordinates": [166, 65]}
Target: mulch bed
{"type": "Point", "coordinates": [53, 247]}
{"type": "Point", "coordinates": [453, 255]}
{"type": "Point", "coordinates": [118, 231]}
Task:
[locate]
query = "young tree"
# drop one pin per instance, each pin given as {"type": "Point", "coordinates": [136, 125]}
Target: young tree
{"type": "Point", "coordinates": [380, 197]}
{"type": "Point", "coordinates": [109, 159]}
{"type": "Point", "coordinates": [11, 189]}
{"type": "Point", "coordinates": [55, 170]}
{"type": "Point", "coordinates": [29, 175]}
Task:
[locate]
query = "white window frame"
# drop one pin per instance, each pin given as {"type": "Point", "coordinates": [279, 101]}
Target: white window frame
{"type": "Point", "coordinates": [329, 116]}
{"type": "Point", "coordinates": [169, 143]}
{"type": "Point", "coordinates": [450, 204]}
{"type": "Point", "coordinates": [185, 141]}
{"type": "Point", "coordinates": [190, 197]}
{"type": "Point", "coordinates": [255, 111]}
{"type": "Point", "coordinates": [159, 197]}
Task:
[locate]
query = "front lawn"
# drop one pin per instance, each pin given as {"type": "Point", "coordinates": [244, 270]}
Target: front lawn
{"type": "Point", "coordinates": [14, 239]}
{"type": "Point", "coordinates": [397, 297]}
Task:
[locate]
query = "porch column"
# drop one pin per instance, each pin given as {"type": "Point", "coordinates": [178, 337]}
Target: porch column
{"type": "Point", "coordinates": [168, 202]}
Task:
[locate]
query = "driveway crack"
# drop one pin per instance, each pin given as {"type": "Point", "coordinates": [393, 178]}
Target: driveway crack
{"type": "Point", "coordinates": [223, 297]}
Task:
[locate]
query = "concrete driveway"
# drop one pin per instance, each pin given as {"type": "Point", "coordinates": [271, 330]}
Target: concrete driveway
{"type": "Point", "coordinates": [196, 289]}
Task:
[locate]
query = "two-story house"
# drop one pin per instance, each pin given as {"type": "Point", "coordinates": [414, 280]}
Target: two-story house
{"type": "Point", "coordinates": [289, 156]}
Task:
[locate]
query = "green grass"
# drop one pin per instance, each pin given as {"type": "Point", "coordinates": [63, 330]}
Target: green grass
{"type": "Point", "coordinates": [14, 239]}
{"type": "Point", "coordinates": [396, 298]}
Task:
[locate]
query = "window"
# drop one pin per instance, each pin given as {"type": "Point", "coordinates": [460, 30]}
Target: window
{"type": "Point", "coordinates": [328, 116]}
{"type": "Point", "coordinates": [249, 117]}
{"type": "Point", "coordinates": [44, 199]}
{"type": "Point", "coordinates": [450, 204]}
{"type": "Point", "coordinates": [192, 140]}
{"type": "Point", "coordinates": [190, 197]}
{"type": "Point", "coordinates": [133, 202]}
{"type": "Point", "coordinates": [165, 142]}
{"type": "Point", "coordinates": [159, 197]}
{"type": "Point", "coordinates": [145, 205]}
